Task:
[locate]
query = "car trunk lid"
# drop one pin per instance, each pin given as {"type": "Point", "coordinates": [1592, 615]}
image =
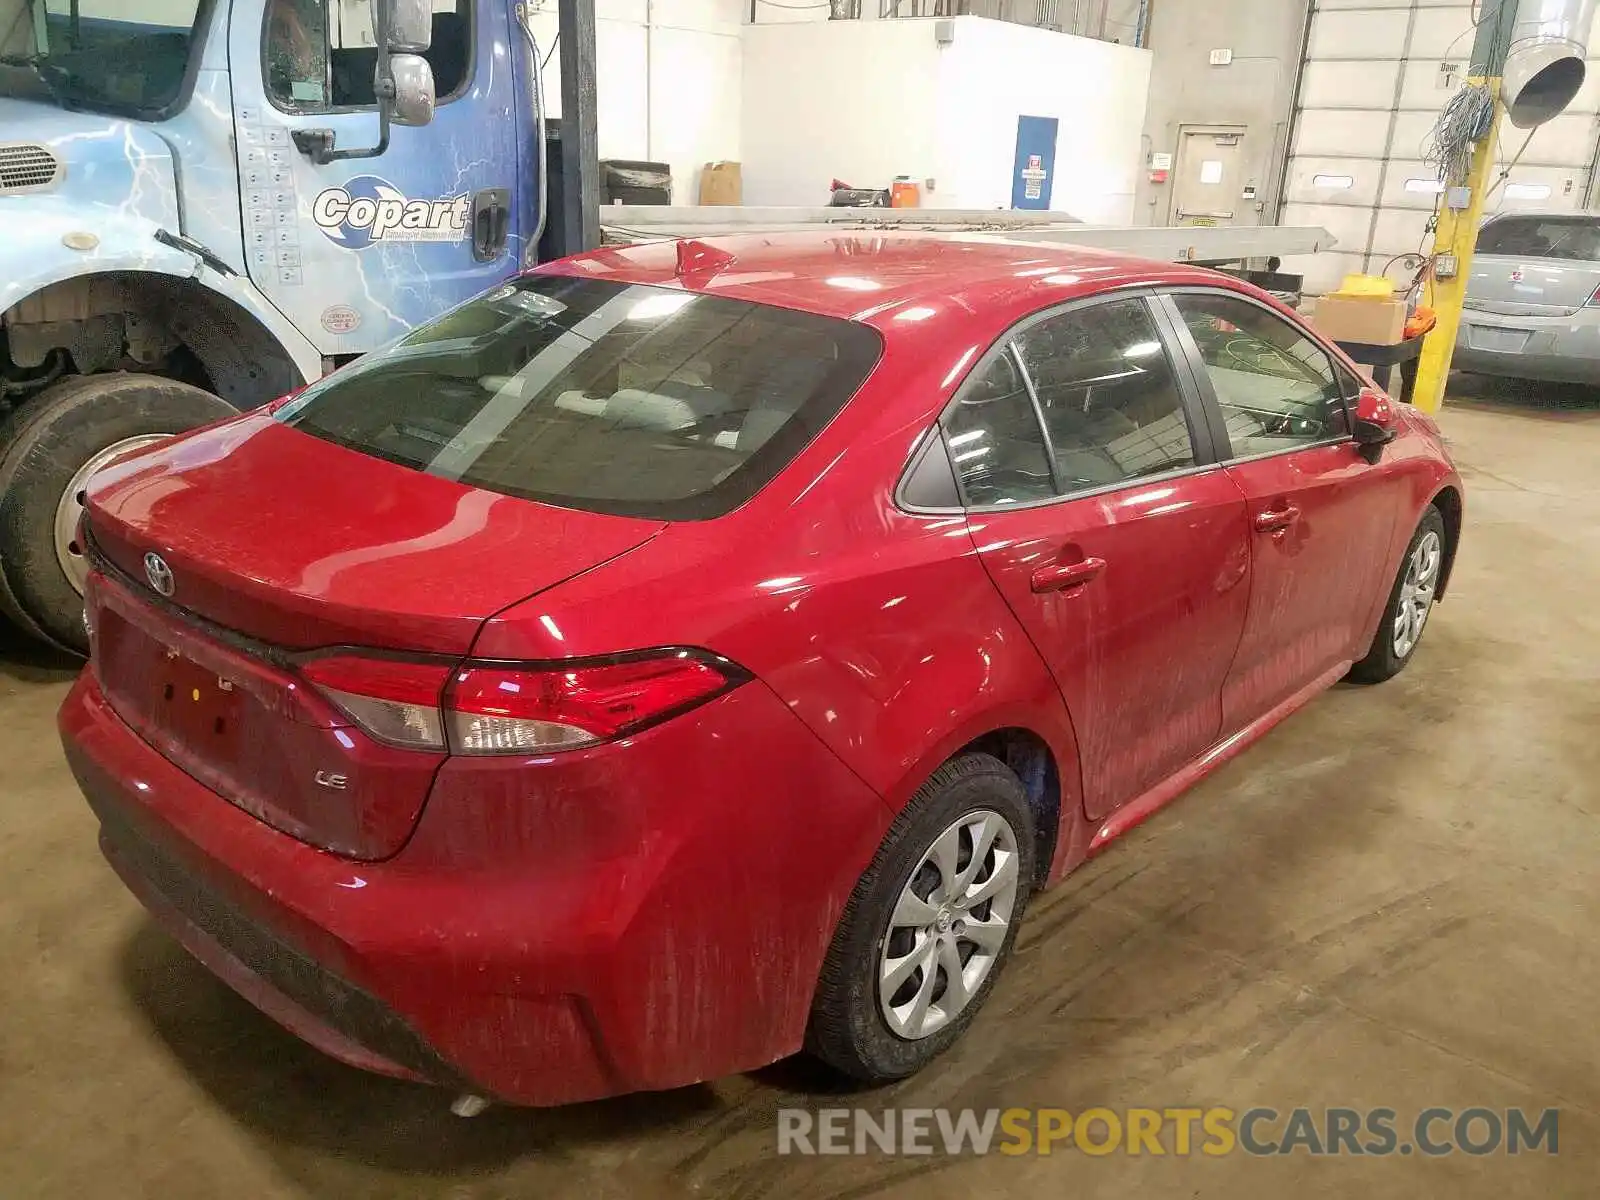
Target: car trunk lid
{"type": "Point", "coordinates": [277, 543]}
{"type": "Point", "coordinates": [301, 543]}
{"type": "Point", "coordinates": [1531, 287]}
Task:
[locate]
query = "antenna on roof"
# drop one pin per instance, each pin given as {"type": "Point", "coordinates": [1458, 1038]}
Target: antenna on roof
{"type": "Point", "coordinates": [697, 258]}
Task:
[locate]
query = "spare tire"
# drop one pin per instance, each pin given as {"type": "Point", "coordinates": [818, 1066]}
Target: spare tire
{"type": "Point", "coordinates": [48, 449]}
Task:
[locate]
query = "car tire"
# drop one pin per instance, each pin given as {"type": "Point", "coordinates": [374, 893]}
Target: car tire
{"type": "Point", "coordinates": [854, 1019]}
{"type": "Point", "coordinates": [44, 446]}
{"type": "Point", "coordinates": [1412, 596]}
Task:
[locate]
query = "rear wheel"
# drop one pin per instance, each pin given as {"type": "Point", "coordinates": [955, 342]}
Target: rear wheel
{"type": "Point", "coordinates": [1411, 599]}
{"type": "Point", "coordinates": [929, 926]}
{"type": "Point", "coordinates": [49, 448]}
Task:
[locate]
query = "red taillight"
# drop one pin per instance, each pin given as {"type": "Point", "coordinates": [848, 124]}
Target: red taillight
{"type": "Point", "coordinates": [510, 708]}
{"type": "Point", "coordinates": [1594, 299]}
{"type": "Point", "coordinates": [395, 700]}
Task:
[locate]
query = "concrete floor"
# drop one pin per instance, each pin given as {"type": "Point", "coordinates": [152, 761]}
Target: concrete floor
{"type": "Point", "coordinates": [1390, 902]}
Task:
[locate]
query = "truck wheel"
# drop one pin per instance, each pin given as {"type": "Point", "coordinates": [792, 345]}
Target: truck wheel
{"type": "Point", "coordinates": [48, 449]}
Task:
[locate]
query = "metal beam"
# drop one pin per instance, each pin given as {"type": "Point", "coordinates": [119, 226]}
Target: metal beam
{"type": "Point", "coordinates": [1169, 243]}
{"type": "Point", "coordinates": [580, 135]}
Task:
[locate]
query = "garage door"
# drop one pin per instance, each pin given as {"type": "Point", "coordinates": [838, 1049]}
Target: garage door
{"type": "Point", "coordinates": [1376, 75]}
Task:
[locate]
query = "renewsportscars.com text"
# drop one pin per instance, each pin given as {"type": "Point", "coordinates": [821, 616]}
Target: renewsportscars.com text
{"type": "Point", "coordinates": [1215, 1131]}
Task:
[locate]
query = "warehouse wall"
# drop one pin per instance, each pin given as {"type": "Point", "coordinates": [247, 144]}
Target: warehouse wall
{"type": "Point", "coordinates": [1377, 74]}
{"type": "Point", "coordinates": [669, 80]}
{"type": "Point", "coordinates": [995, 72]}
{"type": "Point", "coordinates": [865, 101]}
{"type": "Point", "coordinates": [1109, 20]}
{"type": "Point", "coordinates": [852, 100]}
{"type": "Point", "coordinates": [1256, 90]}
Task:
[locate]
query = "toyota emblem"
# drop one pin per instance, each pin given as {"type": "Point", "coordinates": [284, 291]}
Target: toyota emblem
{"type": "Point", "coordinates": [158, 573]}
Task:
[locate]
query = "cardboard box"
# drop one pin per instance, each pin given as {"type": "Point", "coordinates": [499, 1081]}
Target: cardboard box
{"type": "Point", "coordinates": [721, 183]}
{"type": "Point", "coordinates": [1360, 319]}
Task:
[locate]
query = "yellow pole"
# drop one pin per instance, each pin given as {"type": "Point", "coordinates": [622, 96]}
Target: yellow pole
{"type": "Point", "coordinates": [1457, 235]}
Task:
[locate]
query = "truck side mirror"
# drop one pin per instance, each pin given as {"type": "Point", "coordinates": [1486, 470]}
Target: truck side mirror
{"type": "Point", "coordinates": [412, 89]}
{"type": "Point", "coordinates": [403, 30]}
{"type": "Point", "coordinates": [402, 26]}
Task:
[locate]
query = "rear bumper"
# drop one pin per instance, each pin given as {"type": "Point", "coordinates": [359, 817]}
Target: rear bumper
{"type": "Point", "coordinates": [1559, 349]}
{"type": "Point", "coordinates": [574, 965]}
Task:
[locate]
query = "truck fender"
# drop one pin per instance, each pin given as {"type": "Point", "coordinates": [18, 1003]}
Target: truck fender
{"type": "Point", "coordinates": [122, 244]}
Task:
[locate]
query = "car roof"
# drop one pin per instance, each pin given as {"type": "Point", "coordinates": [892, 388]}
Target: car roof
{"type": "Point", "coordinates": [1545, 214]}
{"type": "Point", "coordinates": [868, 275]}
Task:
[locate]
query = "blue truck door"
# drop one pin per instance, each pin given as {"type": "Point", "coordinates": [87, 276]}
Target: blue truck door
{"type": "Point", "coordinates": [357, 252]}
{"type": "Point", "coordinates": [1033, 173]}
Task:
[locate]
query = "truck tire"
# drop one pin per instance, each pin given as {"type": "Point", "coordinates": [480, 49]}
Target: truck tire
{"type": "Point", "coordinates": [48, 449]}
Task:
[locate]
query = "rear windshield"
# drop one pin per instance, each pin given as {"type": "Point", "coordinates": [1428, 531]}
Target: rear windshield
{"type": "Point", "coordinates": [1576, 239]}
{"type": "Point", "coordinates": [615, 398]}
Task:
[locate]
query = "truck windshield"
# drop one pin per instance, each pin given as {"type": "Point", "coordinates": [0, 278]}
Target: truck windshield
{"type": "Point", "coordinates": [590, 394]}
{"type": "Point", "coordinates": [126, 57]}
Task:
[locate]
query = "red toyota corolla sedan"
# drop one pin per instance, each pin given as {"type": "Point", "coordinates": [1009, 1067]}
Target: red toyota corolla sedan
{"type": "Point", "coordinates": [686, 655]}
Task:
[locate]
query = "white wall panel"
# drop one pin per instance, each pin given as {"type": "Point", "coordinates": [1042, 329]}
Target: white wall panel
{"type": "Point", "coordinates": [1398, 231]}
{"type": "Point", "coordinates": [669, 79]}
{"type": "Point", "coordinates": [1567, 141]}
{"type": "Point", "coordinates": [1350, 225]}
{"type": "Point", "coordinates": [1566, 186]}
{"type": "Point", "coordinates": [1336, 5]}
{"type": "Point", "coordinates": [1588, 97]}
{"type": "Point", "coordinates": [1348, 84]}
{"type": "Point", "coordinates": [1443, 33]}
{"type": "Point", "coordinates": [1303, 187]}
{"type": "Point", "coordinates": [1411, 132]}
{"type": "Point", "coordinates": [1395, 193]}
{"type": "Point", "coordinates": [865, 101]}
{"type": "Point", "coordinates": [1360, 33]}
{"type": "Point", "coordinates": [1340, 131]}
{"type": "Point", "coordinates": [1424, 88]}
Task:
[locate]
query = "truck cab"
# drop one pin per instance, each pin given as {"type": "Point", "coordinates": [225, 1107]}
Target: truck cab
{"type": "Point", "coordinates": [205, 204]}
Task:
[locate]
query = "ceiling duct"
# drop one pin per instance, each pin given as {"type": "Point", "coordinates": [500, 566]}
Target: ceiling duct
{"type": "Point", "coordinates": [1545, 67]}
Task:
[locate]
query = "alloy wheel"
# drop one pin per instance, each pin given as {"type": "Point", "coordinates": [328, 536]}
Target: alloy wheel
{"type": "Point", "coordinates": [1417, 591]}
{"type": "Point", "coordinates": [949, 925]}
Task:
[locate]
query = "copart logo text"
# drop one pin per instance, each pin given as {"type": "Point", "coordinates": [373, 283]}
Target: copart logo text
{"type": "Point", "coordinates": [368, 209]}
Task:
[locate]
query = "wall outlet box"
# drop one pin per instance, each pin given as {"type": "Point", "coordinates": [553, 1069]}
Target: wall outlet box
{"type": "Point", "coordinates": [1221, 58]}
{"type": "Point", "coordinates": [1445, 266]}
{"type": "Point", "coordinates": [1458, 199]}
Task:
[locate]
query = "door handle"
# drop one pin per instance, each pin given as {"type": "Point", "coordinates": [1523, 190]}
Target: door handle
{"type": "Point", "coordinates": [1064, 577]}
{"type": "Point", "coordinates": [491, 223]}
{"type": "Point", "coordinates": [1275, 520]}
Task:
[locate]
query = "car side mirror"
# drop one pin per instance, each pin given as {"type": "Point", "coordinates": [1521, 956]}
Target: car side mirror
{"type": "Point", "coordinates": [1376, 424]}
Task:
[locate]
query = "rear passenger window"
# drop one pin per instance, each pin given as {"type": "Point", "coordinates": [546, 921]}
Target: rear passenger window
{"type": "Point", "coordinates": [1108, 395]}
{"type": "Point", "coordinates": [1276, 387]}
{"type": "Point", "coordinates": [994, 439]}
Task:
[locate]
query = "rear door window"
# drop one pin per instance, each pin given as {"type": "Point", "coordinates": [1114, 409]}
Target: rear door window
{"type": "Point", "coordinates": [995, 442]}
{"type": "Point", "coordinates": [625, 399]}
{"type": "Point", "coordinates": [1110, 401]}
{"type": "Point", "coordinates": [1575, 239]}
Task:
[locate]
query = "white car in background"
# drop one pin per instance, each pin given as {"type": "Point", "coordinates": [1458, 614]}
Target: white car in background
{"type": "Point", "coordinates": [1531, 309]}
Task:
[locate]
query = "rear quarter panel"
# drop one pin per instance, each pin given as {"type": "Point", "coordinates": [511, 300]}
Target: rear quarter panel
{"type": "Point", "coordinates": [878, 628]}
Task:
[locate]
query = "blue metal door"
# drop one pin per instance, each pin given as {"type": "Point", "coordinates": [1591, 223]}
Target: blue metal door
{"type": "Point", "coordinates": [1033, 173]}
{"type": "Point", "coordinates": [357, 252]}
